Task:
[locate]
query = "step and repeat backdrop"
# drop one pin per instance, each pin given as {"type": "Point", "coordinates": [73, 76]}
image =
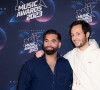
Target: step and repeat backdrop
{"type": "Point", "coordinates": [23, 22]}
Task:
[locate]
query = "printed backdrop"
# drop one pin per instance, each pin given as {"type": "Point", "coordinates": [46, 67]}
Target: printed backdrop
{"type": "Point", "coordinates": [23, 22]}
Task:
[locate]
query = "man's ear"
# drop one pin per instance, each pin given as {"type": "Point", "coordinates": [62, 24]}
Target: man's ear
{"type": "Point", "coordinates": [87, 34]}
{"type": "Point", "coordinates": [59, 44]}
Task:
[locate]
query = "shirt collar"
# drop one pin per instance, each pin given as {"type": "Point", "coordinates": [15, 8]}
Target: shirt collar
{"type": "Point", "coordinates": [43, 57]}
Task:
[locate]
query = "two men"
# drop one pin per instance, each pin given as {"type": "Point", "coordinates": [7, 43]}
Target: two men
{"type": "Point", "coordinates": [51, 71]}
{"type": "Point", "coordinates": [84, 58]}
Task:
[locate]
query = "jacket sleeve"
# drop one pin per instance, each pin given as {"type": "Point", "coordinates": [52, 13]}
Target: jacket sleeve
{"type": "Point", "coordinates": [25, 78]}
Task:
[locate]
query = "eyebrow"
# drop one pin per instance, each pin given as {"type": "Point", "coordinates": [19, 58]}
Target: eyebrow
{"type": "Point", "coordinates": [52, 39]}
{"type": "Point", "coordinates": [45, 39]}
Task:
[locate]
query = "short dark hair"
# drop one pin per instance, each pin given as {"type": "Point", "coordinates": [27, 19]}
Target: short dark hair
{"type": "Point", "coordinates": [52, 31]}
{"type": "Point", "coordinates": [85, 26]}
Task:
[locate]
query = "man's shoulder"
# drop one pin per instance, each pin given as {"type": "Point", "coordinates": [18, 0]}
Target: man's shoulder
{"type": "Point", "coordinates": [70, 53]}
{"type": "Point", "coordinates": [64, 63]}
{"type": "Point", "coordinates": [33, 60]}
{"type": "Point", "coordinates": [64, 60]}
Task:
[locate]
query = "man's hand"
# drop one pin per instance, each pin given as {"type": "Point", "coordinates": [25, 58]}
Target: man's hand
{"type": "Point", "coordinates": [39, 53]}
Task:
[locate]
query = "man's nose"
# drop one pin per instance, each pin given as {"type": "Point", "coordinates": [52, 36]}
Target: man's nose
{"type": "Point", "coordinates": [49, 43]}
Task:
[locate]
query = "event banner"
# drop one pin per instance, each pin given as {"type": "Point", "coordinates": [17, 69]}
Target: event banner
{"type": "Point", "coordinates": [23, 22]}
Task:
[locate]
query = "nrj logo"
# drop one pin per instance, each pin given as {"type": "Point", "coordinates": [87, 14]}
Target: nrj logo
{"type": "Point", "coordinates": [85, 13]}
{"type": "Point", "coordinates": [31, 10]}
{"type": "Point", "coordinates": [31, 42]}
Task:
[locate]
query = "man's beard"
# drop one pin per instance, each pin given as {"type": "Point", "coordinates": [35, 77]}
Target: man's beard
{"type": "Point", "coordinates": [50, 52]}
{"type": "Point", "coordinates": [82, 43]}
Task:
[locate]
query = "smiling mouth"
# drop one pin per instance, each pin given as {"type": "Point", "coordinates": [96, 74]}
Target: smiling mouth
{"type": "Point", "coordinates": [76, 41]}
{"type": "Point", "coordinates": [49, 48]}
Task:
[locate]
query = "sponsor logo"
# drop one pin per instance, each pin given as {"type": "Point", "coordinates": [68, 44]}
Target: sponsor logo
{"type": "Point", "coordinates": [85, 13]}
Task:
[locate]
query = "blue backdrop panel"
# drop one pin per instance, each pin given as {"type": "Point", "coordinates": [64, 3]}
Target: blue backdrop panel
{"type": "Point", "coordinates": [23, 22]}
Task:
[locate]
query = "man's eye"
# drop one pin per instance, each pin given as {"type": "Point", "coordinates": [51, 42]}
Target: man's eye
{"type": "Point", "coordinates": [78, 33]}
{"type": "Point", "coordinates": [72, 35]}
{"type": "Point", "coordinates": [46, 41]}
{"type": "Point", "coordinates": [53, 41]}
